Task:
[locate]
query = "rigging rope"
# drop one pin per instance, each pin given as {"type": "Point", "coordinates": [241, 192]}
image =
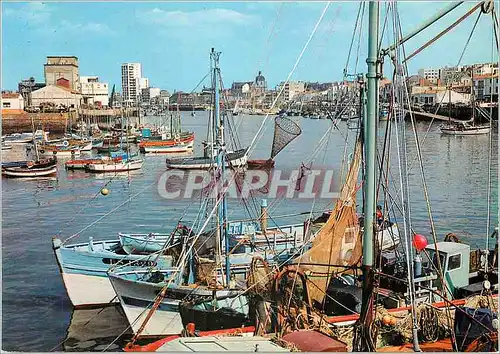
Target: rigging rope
{"type": "Point", "coordinates": [257, 135]}
{"type": "Point", "coordinates": [443, 32]}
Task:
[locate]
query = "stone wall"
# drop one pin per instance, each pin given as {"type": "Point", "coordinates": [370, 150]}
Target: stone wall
{"type": "Point", "coordinates": [22, 122]}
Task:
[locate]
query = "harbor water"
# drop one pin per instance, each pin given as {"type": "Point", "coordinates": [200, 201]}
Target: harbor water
{"type": "Point", "coordinates": [38, 316]}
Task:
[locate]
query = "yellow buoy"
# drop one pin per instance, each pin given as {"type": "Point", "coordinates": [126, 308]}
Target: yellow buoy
{"type": "Point", "coordinates": [104, 191]}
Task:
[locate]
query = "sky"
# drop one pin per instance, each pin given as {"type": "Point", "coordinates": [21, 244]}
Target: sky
{"type": "Point", "coordinates": [172, 40]}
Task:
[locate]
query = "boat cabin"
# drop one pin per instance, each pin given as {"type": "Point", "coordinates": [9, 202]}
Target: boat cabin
{"type": "Point", "coordinates": [462, 269]}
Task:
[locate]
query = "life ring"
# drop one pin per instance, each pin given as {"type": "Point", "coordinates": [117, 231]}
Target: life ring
{"type": "Point", "coordinates": [65, 143]}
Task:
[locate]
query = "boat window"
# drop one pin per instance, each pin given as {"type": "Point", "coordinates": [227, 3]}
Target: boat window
{"type": "Point", "coordinates": [455, 262]}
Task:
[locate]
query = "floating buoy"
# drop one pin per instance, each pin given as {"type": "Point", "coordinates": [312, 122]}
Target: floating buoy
{"type": "Point", "coordinates": [419, 242]}
{"type": "Point", "coordinates": [104, 191]}
{"type": "Point", "coordinates": [393, 321]}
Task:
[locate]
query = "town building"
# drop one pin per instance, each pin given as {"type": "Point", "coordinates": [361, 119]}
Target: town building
{"type": "Point", "coordinates": [94, 92]}
{"type": "Point", "coordinates": [429, 74]}
{"type": "Point", "coordinates": [132, 83]}
{"type": "Point", "coordinates": [433, 96]}
{"type": "Point", "coordinates": [291, 89]}
{"type": "Point", "coordinates": [12, 102]}
{"type": "Point", "coordinates": [59, 95]}
{"type": "Point", "coordinates": [241, 89]}
{"type": "Point", "coordinates": [260, 84]}
{"type": "Point", "coordinates": [486, 86]}
{"type": "Point", "coordinates": [62, 67]}
{"type": "Point", "coordinates": [149, 93]}
{"type": "Point", "coordinates": [164, 98]}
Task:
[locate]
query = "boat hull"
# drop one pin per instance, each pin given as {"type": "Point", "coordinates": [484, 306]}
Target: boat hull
{"type": "Point", "coordinates": [467, 131]}
{"type": "Point", "coordinates": [83, 269]}
{"type": "Point", "coordinates": [166, 149]}
{"type": "Point", "coordinates": [121, 166]}
{"type": "Point", "coordinates": [49, 169]}
{"type": "Point", "coordinates": [137, 296]}
{"type": "Point", "coordinates": [234, 159]}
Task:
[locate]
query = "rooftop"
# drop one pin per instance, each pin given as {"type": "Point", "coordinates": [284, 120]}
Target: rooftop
{"type": "Point", "coordinates": [449, 247]}
{"type": "Point", "coordinates": [10, 94]}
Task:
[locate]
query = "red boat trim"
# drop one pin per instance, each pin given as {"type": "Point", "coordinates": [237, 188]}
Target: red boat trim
{"type": "Point", "coordinates": [152, 347]}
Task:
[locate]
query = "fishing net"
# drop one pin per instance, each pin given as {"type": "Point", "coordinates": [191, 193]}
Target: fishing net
{"type": "Point", "coordinates": [285, 131]}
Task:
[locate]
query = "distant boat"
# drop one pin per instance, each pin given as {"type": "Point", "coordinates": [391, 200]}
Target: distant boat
{"type": "Point", "coordinates": [115, 166]}
{"type": "Point", "coordinates": [469, 127]}
{"type": "Point", "coordinates": [234, 159]}
{"type": "Point", "coordinates": [465, 128]}
{"type": "Point", "coordinates": [40, 168]}
{"type": "Point", "coordinates": [81, 164]}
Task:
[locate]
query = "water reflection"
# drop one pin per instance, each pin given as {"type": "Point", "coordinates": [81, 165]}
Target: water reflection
{"type": "Point", "coordinates": [95, 329]}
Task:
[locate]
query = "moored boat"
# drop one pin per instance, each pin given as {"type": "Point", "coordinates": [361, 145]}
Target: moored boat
{"type": "Point", "coordinates": [237, 158]}
{"type": "Point", "coordinates": [115, 166]}
{"type": "Point", "coordinates": [84, 266]}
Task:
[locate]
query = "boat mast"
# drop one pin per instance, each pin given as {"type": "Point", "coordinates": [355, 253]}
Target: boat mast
{"type": "Point", "coordinates": [221, 150]}
{"type": "Point", "coordinates": [472, 99]}
{"type": "Point", "coordinates": [34, 138]}
{"type": "Point", "coordinates": [363, 338]}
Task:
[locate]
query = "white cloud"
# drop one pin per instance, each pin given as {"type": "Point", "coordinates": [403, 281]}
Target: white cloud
{"type": "Point", "coordinates": [31, 12]}
{"type": "Point", "coordinates": [90, 27]}
{"type": "Point", "coordinates": [200, 18]}
{"type": "Point", "coordinates": [41, 16]}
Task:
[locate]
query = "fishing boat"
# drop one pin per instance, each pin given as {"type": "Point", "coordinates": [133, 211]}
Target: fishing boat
{"type": "Point", "coordinates": [220, 271]}
{"type": "Point", "coordinates": [173, 141]}
{"type": "Point", "coordinates": [343, 246]}
{"type": "Point", "coordinates": [84, 266]}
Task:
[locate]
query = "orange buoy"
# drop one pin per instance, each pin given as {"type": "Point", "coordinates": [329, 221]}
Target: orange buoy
{"type": "Point", "coordinates": [386, 320]}
{"type": "Point", "coordinates": [393, 321]}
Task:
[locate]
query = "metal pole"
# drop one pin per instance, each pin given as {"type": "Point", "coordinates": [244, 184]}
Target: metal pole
{"type": "Point", "coordinates": [370, 134]}
{"type": "Point", "coordinates": [363, 341]}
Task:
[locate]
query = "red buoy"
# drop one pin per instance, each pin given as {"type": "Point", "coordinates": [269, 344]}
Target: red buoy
{"type": "Point", "coordinates": [419, 242]}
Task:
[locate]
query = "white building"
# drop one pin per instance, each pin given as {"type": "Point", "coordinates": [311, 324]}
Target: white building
{"type": "Point", "coordinates": [12, 101]}
{"type": "Point", "coordinates": [93, 91]}
{"type": "Point", "coordinates": [56, 95]}
{"type": "Point", "coordinates": [149, 93]}
{"type": "Point", "coordinates": [429, 74]}
{"type": "Point", "coordinates": [143, 83]}
{"type": "Point", "coordinates": [291, 89]}
{"type": "Point", "coordinates": [486, 86]}
{"type": "Point", "coordinates": [433, 96]}
{"type": "Point", "coordinates": [131, 83]}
